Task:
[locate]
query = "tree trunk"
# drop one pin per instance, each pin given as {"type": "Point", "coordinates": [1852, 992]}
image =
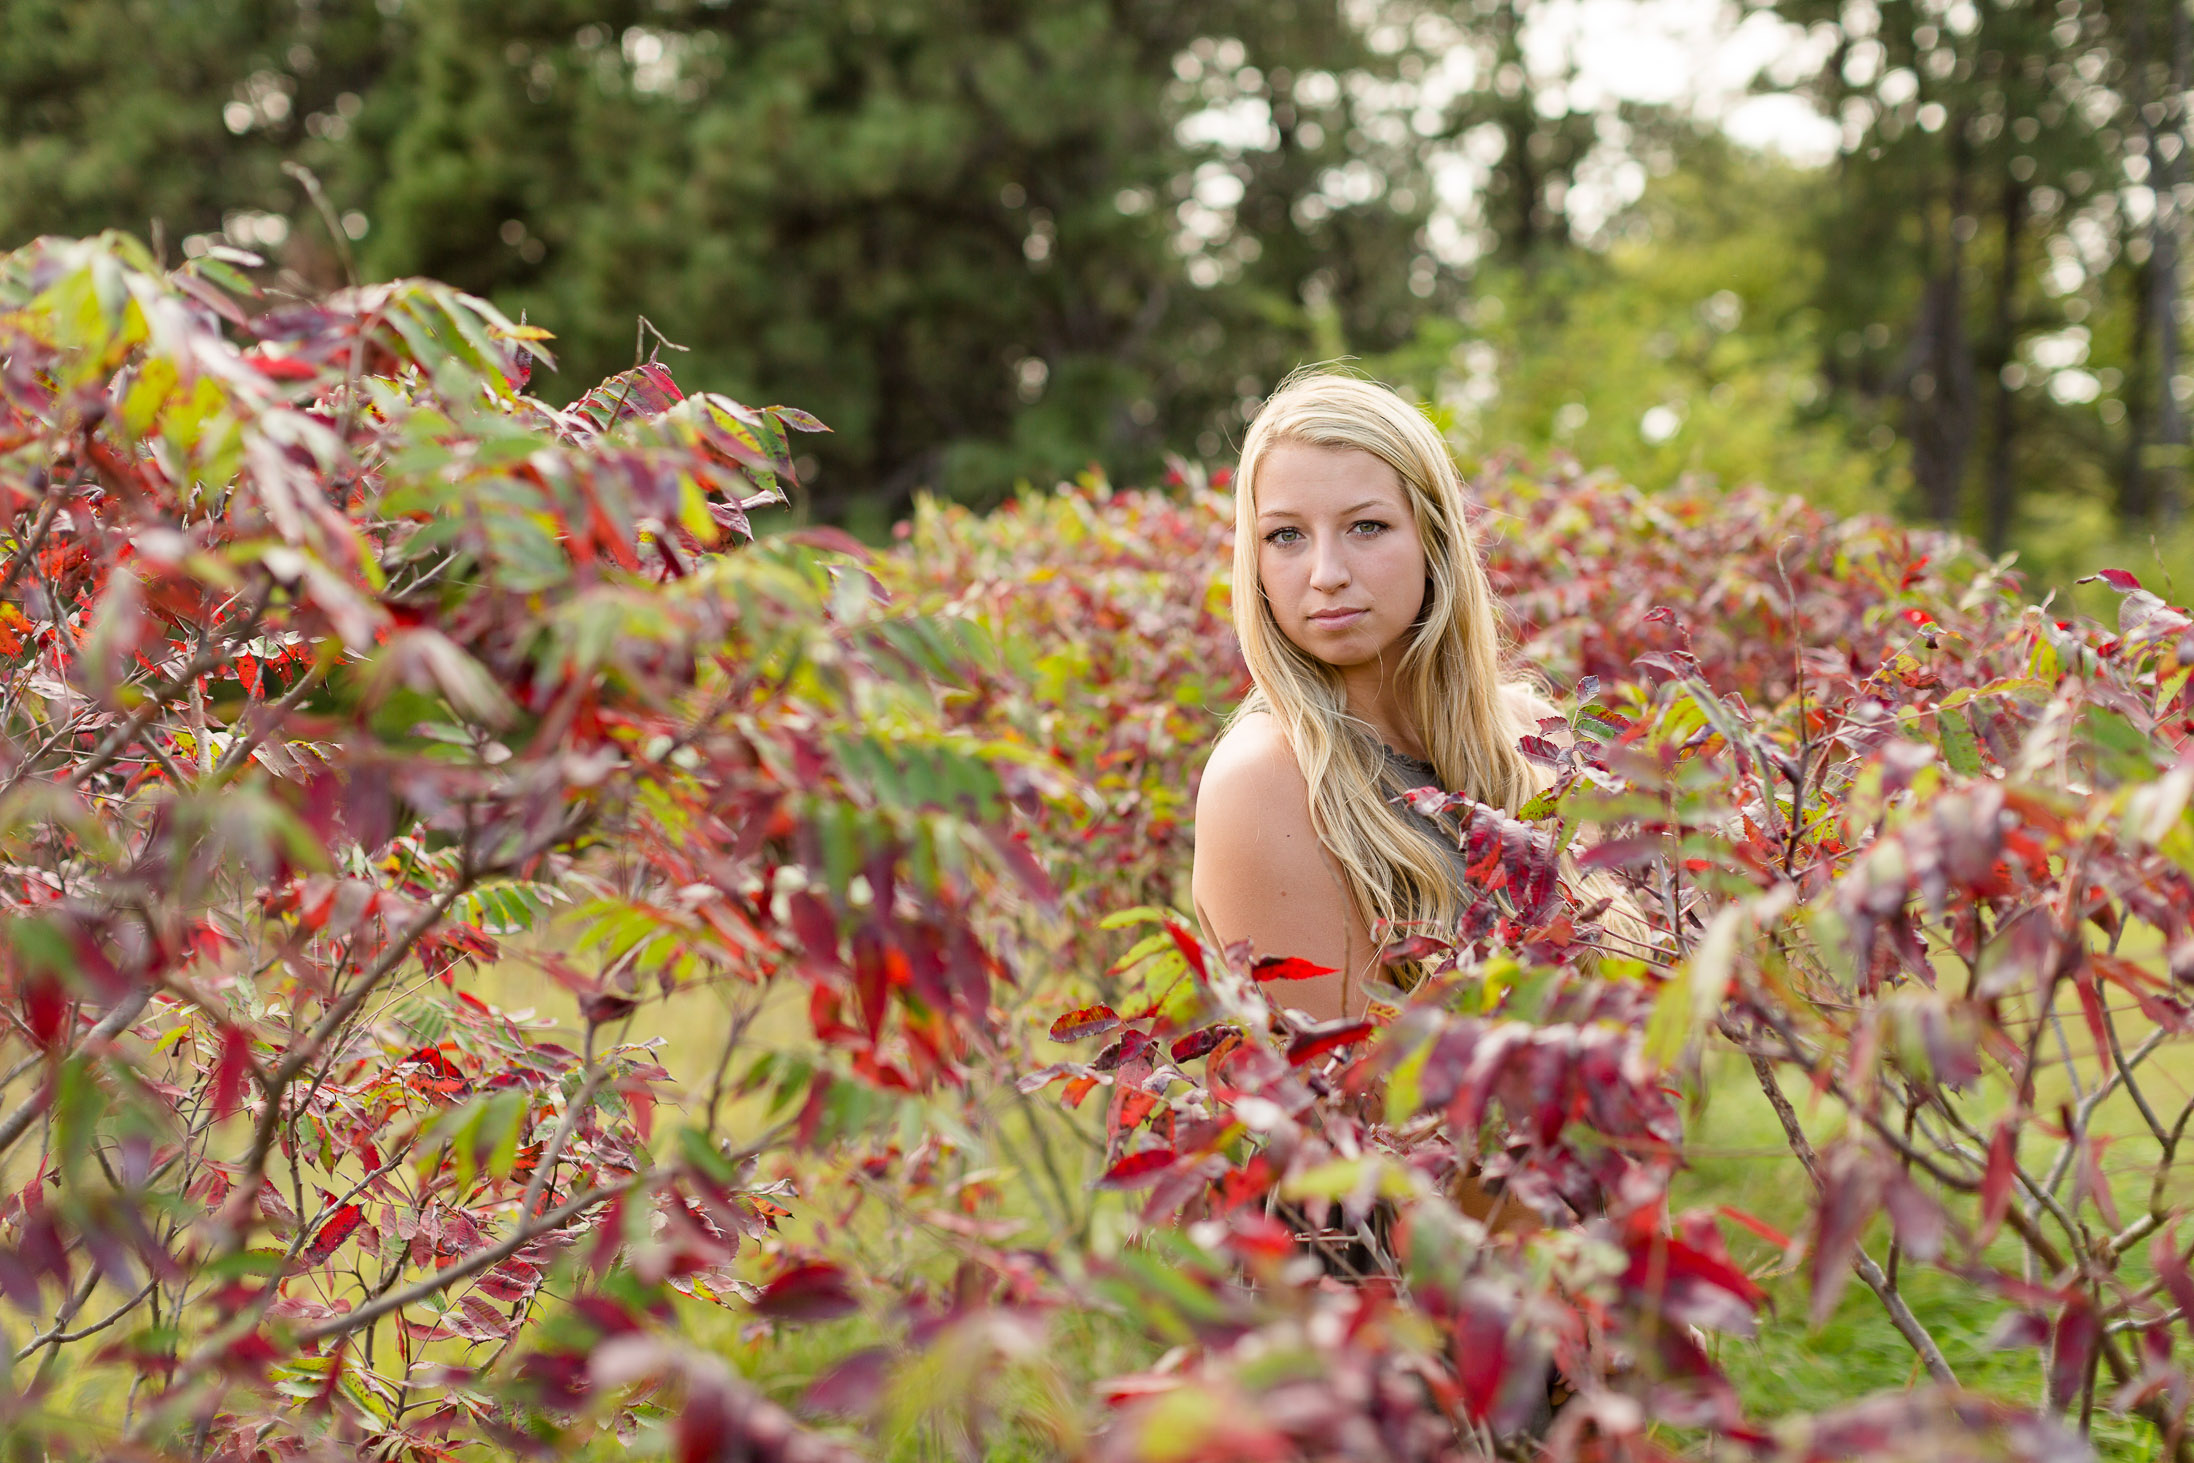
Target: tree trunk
{"type": "Point", "coordinates": [2136, 504]}
{"type": "Point", "coordinates": [2168, 460]}
{"type": "Point", "coordinates": [1519, 123]}
{"type": "Point", "coordinates": [2001, 490]}
{"type": "Point", "coordinates": [1939, 392]}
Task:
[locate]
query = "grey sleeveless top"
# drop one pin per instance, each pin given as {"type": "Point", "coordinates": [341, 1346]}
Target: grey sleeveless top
{"type": "Point", "coordinates": [1404, 773]}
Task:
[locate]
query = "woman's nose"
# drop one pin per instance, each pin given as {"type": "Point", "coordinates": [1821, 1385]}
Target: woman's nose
{"type": "Point", "coordinates": [1328, 567]}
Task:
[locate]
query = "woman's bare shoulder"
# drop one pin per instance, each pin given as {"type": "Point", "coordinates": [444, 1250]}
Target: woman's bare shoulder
{"type": "Point", "coordinates": [1252, 756]}
{"type": "Point", "coordinates": [1527, 704]}
{"type": "Point", "coordinates": [1260, 873]}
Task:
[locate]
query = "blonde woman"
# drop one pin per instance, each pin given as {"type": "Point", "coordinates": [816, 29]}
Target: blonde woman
{"type": "Point", "coordinates": [1374, 644]}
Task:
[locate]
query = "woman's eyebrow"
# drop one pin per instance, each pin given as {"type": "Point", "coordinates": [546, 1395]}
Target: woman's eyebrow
{"type": "Point", "coordinates": [1379, 503]}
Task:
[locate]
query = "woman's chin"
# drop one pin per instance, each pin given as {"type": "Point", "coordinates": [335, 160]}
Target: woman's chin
{"type": "Point", "coordinates": [1348, 654]}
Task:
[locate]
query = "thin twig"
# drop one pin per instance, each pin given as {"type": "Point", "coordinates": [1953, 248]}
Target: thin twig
{"type": "Point", "coordinates": [1900, 1315]}
{"type": "Point", "coordinates": [58, 1338]}
{"type": "Point", "coordinates": [471, 1265]}
{"type": "Point", "coordinates": [121, 1015]}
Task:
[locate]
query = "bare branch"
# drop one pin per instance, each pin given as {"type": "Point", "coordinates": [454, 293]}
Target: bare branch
{"type": "Point", "coordinates": [1900, 1315]}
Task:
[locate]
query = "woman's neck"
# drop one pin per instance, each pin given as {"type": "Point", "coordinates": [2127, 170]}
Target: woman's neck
{"type": "Point", "coordinates": [1375, 698]}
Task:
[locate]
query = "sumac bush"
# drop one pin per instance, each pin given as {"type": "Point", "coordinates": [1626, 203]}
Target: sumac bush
{"type": "Point", "coordinates": [336, 668]}
{"type": "Point", "coordinates": [345, 689]}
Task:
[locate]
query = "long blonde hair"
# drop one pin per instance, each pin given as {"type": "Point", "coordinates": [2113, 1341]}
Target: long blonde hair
{"type": "Point", "coordinates": [1451, 675]}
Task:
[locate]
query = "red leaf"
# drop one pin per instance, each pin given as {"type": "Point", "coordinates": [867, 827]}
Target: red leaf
{"type": "Point", "coordinates": [1138, 1169]}
{"type": "Point", "coordinates": [332, 1234]}
{"type": "Point", "coordinates": [282, 368]}
{"type": "Point", "coordinates": [1198, 1042]}
{"type": "Point", "coordinates": [1133, 1106]}
{"type": "Point", "coordinates": [1260, 1235]}
{"type": "Point", "coordinates": [1996, 1182]}
{"type": "Point", "coordinates": [45, 1006]}
{"type": "Point", "coordinates": [230, 1071]}
{"type": "Point", "coordinates": [1332, 1035]}
{"type": "Point", "coordinates": [512, 1280]}
{"type": "Point", "coordinates": [1287, 967]}
{"type": "Point", "coordinates": [1087, 1022]}
{"type": "Point", "coordinates": [2117, 579]}
{"type": "Point", "coordinates": [817, 929]}
{"type": "Point", "coordinates": [1126, 1049]}
{"type": "Point", "coordinates": [810, 1292]}
{"type": "Point", "coordinates": [1191, 950]}
{"type": "Point", "coordinates": [1757, 1225]}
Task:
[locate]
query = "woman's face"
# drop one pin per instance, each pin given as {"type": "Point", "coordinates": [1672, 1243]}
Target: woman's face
{"type": "Point", "coordinates": [1338, 552]}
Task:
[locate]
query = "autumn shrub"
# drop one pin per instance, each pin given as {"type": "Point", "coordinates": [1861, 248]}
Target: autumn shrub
{"type": "Point", "coordinates": [337, 667]}
{"type": "Point", "coordinates": [349, 689]}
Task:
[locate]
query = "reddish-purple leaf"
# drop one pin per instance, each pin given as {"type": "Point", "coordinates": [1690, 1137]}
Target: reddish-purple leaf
{"type": "Point", "coordinates": [2072, 1344]}
{"type": "Point", "coordinates": [1087, 1022]}
{"type": "Point", "coordinates": [2164, 1254]}
{"type": "Point", "coordinates": [1622, 853]}
{"type": "Point", "coordinates": [1416, 947]}
{"type": "Point", "coordinates": [852, 1387]}
{"type": "Point", "coordinates": [814, 1291]}
{"type": "Point", "coordinates": [831, 540]}
{"type": "Point", "coordinates": [1021, 863]}
{"type": "Point", "coordinates": [1198, 1042]}
{"type": "Point", "coordinates": [1914, 1216]}
{"type": "Point", "coordinates": [1539, 749]}
{"type": "Point", "coordinates": [1315, 1042]}
{"type": "Point", "coordinates": [1851, 1188]}
{"type": "Point", "coordinates": [513, 1280]}
{"type": "Point", "coordinates": [598, 1007]}
{"type": "Point", "coordinates": [2017, 1330]}
{"type": "Point", "coordinates": [1130, 1046]}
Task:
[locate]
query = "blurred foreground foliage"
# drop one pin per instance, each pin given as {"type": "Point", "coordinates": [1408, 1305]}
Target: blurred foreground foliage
{"type": "Point", "coordinates": [351, 692]}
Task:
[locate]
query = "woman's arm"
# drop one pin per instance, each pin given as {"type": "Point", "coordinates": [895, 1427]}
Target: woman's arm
{"type": "Point", "coordinates": [1261, 874]}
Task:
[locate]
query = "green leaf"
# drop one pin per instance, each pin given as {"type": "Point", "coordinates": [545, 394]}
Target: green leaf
{"type": "Point", "coordinates": [1954, 733]}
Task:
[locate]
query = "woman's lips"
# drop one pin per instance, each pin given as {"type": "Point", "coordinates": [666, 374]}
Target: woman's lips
{"type": "Point", "coordinates": [1337, 619]}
